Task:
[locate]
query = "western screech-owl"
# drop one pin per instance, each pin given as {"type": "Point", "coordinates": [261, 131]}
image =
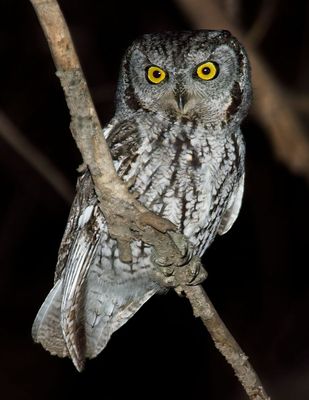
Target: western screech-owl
{"type": "Point", "coordinates": [181, 98]}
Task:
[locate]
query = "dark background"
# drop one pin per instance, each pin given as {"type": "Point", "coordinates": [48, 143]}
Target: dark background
{"type": "Point", "coordinates": [258, 277]}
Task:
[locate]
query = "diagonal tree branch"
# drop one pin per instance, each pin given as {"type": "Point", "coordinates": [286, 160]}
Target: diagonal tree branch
{"type": "Point", "coordinates": [113, 194]}
{"type": "Point", "coordinates": [87, 132]}
{"type": "Point", "coordinates": [225, 342]}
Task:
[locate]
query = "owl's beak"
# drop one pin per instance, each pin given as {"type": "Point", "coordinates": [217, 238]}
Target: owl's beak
{"type": "Point", "coordinates": [181, 100]}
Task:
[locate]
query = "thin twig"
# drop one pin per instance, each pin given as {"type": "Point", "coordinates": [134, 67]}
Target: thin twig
{"type": "Point", "coordinates": [233, 9]}
{"type": "Point", "coordinates": [272, 108]}
{"type": "Point", "coordinates": [113, 194]}
{"type": "Point", "coordinates": [225, 342]}
{"type": "Point", "coordinates": [18, 141]}
{"type": "Point", "coordinates": [262, 23]}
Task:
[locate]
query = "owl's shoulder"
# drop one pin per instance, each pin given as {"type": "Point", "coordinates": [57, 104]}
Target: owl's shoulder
{"type": "Point", "coordinates": [84, 212]}
{"type": "Point", "coordinates": [122, 136]}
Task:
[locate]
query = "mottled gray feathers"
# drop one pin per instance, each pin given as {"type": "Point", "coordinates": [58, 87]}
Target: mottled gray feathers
{"type": "Point", "coordinates": [177, 136]}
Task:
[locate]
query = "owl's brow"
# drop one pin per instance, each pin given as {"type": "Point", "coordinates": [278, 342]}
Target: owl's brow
{"type": "Point", "coordinates": [147, 57]}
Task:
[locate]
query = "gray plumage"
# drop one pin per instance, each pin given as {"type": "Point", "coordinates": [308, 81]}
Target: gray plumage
{"type": "Point", "coordinates": [177, 131]}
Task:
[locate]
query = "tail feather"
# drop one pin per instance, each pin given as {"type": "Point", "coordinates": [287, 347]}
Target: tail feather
{"type": "Point", "coordinates": [72, 308]}
{"type": "Point", "coordinates": [99, 320]}
{"type": "Point", "coordinates": [98, 334]}
{"type": "Point", "coordinates": [46, 328]}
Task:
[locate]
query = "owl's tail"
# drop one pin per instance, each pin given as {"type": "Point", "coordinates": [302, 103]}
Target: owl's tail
{"type": "Point", "coordinates": [46, 328]}
{"type": "Point", "coordinates": [112, 315]}
{"type": "Point", "coordinates": [88, 334]}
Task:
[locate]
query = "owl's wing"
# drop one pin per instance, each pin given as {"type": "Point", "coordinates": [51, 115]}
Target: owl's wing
{"type": "Point", "coordinates": [233, 207]}
{"type": "Point", "coordinates": [55, 325]}
{"type": "Point", "coordinates": [86, 306]}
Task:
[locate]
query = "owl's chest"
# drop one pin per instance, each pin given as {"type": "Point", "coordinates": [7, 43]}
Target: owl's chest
{"type": "Point", "coordinates": [179, 173]}
{"type": "Point", "coordinates": [167, 163]}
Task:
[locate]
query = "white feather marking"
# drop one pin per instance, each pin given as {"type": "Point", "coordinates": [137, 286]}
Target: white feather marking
{"type": "Point", "coordinates": [85, 216]}
{"type": "Point", "coordinates": [107, 130]}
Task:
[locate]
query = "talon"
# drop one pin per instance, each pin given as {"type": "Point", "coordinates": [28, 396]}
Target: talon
{"type": "Point", "coordinates": [160, 261]}
{"type": "Point", "coordinates": [185, 268]}
{"type": "Point", "coordinates": [197, 272]}
{"type": "Point", "coordinates": [191, 274]}
{"type": "Point", "coordinates": [165, 281]}
{"type": "Point", "coordinates": [167, 271]}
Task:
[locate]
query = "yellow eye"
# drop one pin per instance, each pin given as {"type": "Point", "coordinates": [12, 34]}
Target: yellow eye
{"type": "Point", "coordinates": [155, 74]}
{"type": "Point", "coordinates": [207, 71]}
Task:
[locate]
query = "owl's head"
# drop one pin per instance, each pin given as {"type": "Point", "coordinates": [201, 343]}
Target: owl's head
{"type": "Point", "coordinates": [189, 74]}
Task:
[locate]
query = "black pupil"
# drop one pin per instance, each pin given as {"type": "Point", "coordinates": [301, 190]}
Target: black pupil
{"type": "Point", "coordinates": [206, 70]}
{"type": "Point", "coordinates": [156, 74]}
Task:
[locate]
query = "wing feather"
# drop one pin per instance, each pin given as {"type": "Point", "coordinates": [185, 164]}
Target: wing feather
{"type": "Point", "coordinates": [92, 296]}
{"type": "Point", "coordinates": [233, 208]}
{"type": "Point", "coordinates": [79, 260]}
{"type": "Point", "coordinates": [57, 325]}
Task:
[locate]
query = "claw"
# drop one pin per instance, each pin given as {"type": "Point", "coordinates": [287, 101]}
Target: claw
{"type": "Point", "coordinates": [163, 280]}
{"type": "Point", "coordinates": [195, 272]}
{"type": "Point", "coordinates": [184, 269]}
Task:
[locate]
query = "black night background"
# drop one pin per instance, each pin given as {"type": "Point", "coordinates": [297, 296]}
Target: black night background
{"type": "Point", "coordinates": [258, 272]}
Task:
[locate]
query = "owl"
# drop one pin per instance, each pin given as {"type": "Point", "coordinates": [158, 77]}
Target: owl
{"type": "Point", "coordinates": [176, 135]}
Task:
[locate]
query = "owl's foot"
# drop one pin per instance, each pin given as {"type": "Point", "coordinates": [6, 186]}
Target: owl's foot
{"type": "Point", "coordinates": [180, 257]}
{"type": "Point", "coordinates": [165, 281]}
{"type": "Point", "coordinates": [192, 273]}
{"type": "Point", "coordinates": [187, 270]}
